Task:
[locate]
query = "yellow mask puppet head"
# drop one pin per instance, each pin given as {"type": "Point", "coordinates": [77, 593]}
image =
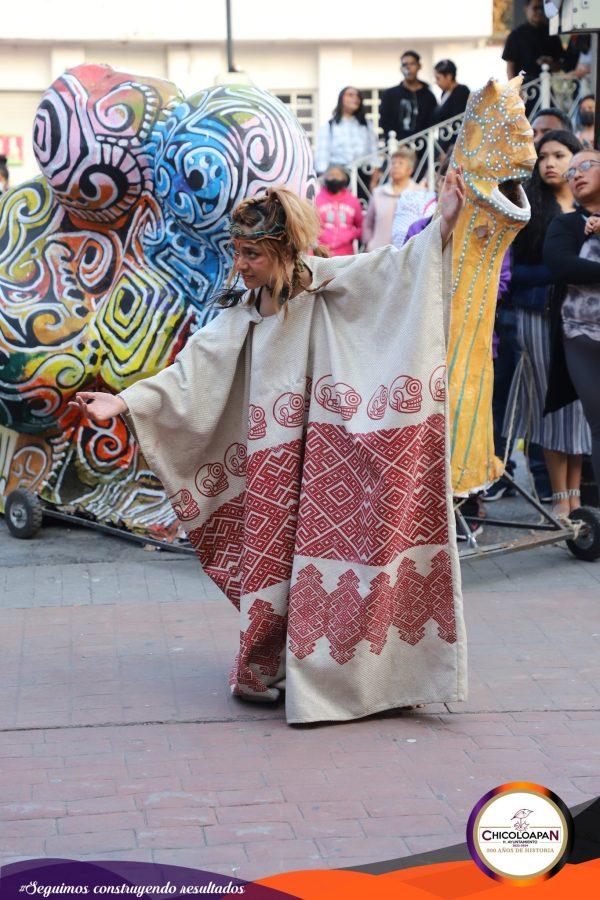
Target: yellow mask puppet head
{"type": "Point", "coordinates": [495, 149]}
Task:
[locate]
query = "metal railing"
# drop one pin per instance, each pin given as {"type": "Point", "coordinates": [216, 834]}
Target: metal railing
{"type": "Point", "coordinates": [430, 145]}
{"type": "Point", "coordinates": [554, 90]}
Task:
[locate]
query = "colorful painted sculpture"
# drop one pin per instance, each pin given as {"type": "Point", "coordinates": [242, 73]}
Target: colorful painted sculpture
{"type": "Point", "coordinates": [495, 149]}
{"type": "Point", "coordinates": [107, 262]}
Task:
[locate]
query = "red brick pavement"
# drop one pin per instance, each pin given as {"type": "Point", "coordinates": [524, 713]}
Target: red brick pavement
{"type": "Point", "coordinates": [343, 809]}
{"type": "Point", "coordinates": [119, 740]}
{"type": "Point", "coordinates": [335, 807]}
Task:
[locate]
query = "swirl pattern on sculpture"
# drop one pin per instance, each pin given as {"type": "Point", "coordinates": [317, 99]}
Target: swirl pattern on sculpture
{"type": "Point", "coordinates": [107, 262]}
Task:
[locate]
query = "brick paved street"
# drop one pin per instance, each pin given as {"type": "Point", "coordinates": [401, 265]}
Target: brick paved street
{"type": "Point", "coordinates": [119, 740]}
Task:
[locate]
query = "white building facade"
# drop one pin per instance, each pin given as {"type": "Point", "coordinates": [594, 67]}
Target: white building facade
{"type": "Point", "coordinates": [304, 51]}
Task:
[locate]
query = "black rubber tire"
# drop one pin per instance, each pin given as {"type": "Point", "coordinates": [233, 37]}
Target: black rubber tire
{"type": "Point", "coordinates": [23, 513]}
{"type": "Point", "coordinates": [587, 545]}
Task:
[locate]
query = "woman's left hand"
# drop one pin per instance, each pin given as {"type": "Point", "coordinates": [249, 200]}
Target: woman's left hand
{"type": "Point", "coordinates": [452, 198]}
{"type": "Point", "coordinates": [452, 201]}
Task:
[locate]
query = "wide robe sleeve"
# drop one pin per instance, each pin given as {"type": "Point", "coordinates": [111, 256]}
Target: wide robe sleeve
{"type": "Point", "coordinates": [175, 415]}
{"type": "Point", "coordinates": [373, 288]}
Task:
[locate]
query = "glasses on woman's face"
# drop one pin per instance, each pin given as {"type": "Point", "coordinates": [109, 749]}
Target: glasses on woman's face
{"type": "Point", "coordinates": [585, 166]}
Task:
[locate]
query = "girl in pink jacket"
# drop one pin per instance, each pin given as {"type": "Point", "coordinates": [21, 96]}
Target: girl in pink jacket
{"type": "Point", "coordinates": [340, 213]}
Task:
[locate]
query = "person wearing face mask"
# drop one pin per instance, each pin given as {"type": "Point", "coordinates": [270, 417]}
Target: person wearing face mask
{"type": "Point", "coordinates": [340, 213]}
{"type": "Point", "coordinates": [585, 118]}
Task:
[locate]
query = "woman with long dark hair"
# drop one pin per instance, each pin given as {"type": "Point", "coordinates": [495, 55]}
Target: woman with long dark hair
{"type": "Point", "coordinates": [572, 253]}
{"type": "Point", "coordinates": [347, 136]}
{"type": "Point", "coordinates": [564, 435]}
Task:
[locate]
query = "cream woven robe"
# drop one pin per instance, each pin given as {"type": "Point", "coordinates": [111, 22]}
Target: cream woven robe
{"type": "Point", "coordinates": [308, 459]}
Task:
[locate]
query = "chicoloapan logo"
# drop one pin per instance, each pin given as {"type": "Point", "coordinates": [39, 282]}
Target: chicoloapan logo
{"type": "Point", "coordinates": [520, 833]}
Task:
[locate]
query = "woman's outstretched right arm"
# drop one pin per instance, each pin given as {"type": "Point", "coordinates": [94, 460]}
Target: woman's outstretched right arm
{"type": "Point", "coordinates": [98, 405]}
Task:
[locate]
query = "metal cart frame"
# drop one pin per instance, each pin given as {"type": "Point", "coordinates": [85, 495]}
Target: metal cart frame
{"type": "Point", "coordinates": [580, 531]}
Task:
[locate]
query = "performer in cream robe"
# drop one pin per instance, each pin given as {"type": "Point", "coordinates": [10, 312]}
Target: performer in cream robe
{"type": "Point", "coordinates": [306, 453]}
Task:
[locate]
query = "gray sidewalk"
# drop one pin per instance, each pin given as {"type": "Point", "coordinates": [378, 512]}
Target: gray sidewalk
{"type": "Point", "coordinates": [64, 566]}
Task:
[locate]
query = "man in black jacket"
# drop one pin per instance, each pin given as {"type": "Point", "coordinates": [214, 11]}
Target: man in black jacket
{"type": "Point", "coordinates": [409, 106]}
{"type": "Point", "coordinates": [530, 45]}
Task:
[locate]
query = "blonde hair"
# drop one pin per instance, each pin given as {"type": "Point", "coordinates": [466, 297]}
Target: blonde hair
{"type": "Point", "coordinates": [289, 226]}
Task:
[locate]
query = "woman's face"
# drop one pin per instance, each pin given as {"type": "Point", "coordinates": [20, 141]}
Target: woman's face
{"type": "Point", "coordinates": [444, 82]}
{"type": "Point", "coordinates": [553, 161]}
{"type": "Point", "coordinates": [350, 101]}
{"type": "Point", "coordinates": [252, 263]}
{"type": "Point", "coordinates": [401, 168]}
{"type": "Point", "coordinates": [586, 185]}
{"type": "Point", "coordinates": [334, 173]}
{"type": "Point", "coordinates": [588, 105]}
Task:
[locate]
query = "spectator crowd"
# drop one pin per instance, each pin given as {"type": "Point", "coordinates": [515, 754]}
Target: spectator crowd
{"type": "Point", "coordinates": [547, 340]}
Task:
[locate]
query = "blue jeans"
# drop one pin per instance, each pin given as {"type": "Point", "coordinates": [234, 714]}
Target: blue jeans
{"type": "Point", "coordinates": [505, 364]}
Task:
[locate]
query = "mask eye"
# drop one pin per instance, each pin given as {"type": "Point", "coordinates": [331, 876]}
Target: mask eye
{"type": "Point", "coordinates": [195, 180]}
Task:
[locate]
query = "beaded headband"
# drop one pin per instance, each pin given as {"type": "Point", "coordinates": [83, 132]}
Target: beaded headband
{"type": "Point", "coordinates": [275, 233]}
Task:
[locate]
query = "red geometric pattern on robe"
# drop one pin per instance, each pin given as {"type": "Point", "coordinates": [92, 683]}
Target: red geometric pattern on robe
{"type": "Point", "coordinates": [261, 645]}
{"type": "Point", "coordinates": [424, 599]}
{"type": "Point", "coordinates": [247, 544]}
{"type": "Point", "coordinates": [218, 545]}
{"type": "Point", "coordinates": [366, 498]}
{"type": "Point", "coordinates": [345, 618]}
{"type": "Point", "coordinates": [307, 619]}
{"type": "Point", "coordinates": [271, 516]}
